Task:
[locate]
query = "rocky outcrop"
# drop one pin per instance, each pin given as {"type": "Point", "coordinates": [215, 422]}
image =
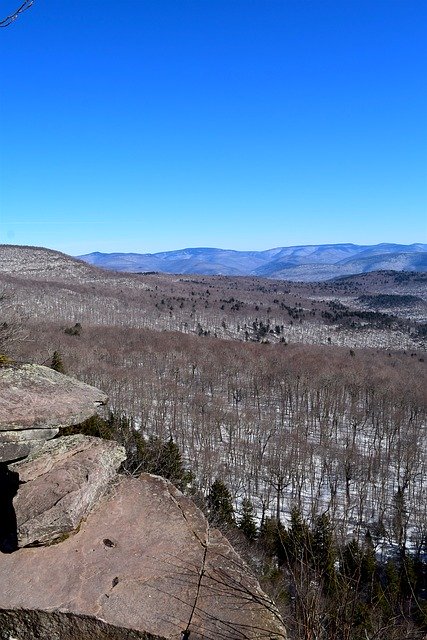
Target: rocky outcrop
{"type": "Point", "coordinates": [104, 556]}
{"type": "Point", "coordinates": [143, 564]}
{"type": "Point", "coordinates": [61, 484]}
{"type": "Point", "coordinates": [35, 402]}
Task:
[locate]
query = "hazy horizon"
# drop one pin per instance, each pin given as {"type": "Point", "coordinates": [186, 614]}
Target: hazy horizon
{"type": "Point", "coordinates": [293, 246]}
{"type": "Point", "coordinates": [223, 248]}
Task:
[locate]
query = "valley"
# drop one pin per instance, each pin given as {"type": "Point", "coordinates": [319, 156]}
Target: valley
{"type": "Point", "coordinates": [385, 309]}
{"type": "Point", "coordinates": [306, 396]}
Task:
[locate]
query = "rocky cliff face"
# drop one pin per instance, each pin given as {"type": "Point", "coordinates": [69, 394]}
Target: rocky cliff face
{"type": "Point", "coordinates": [114, 557]}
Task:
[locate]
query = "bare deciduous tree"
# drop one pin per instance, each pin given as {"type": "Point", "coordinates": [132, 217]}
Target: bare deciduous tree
{"type": "Point", "coordinates": [11, 321]}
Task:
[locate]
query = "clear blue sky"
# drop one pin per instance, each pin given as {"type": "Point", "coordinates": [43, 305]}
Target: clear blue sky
{"type": "Point", "coordinates": [150, 125]}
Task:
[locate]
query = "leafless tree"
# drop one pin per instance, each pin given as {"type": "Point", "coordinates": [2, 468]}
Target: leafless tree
{"type": "Point", "coordinates": [12, 322]}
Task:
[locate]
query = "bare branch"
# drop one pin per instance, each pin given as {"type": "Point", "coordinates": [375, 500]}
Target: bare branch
{"type": "Point", "coordinates": [13, 16]}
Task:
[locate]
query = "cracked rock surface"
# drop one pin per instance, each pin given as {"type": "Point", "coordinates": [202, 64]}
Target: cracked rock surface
{"type": "Point", "coordinates": [35, 402]}
{"type": "Point", "coordinates": [144, 564]}
{"type": "Point", "coordinates": [61, 483]}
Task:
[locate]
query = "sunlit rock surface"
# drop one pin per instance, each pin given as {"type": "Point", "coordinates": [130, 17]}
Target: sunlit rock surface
{"type": "Point", "coordinates": [61, 483]}
{"type": "Point", "coordinates": [35, 402]}
{"type": "Point", "coordinates": [144, 564]}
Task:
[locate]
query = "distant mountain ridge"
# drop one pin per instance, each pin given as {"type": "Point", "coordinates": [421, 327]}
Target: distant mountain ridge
{"type": "Point", "coordinates": [297, 263]}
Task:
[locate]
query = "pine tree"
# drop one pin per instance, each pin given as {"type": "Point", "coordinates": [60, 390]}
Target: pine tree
{"type": "Point", "coordinates": [408, 578]}
{"type": "Point", "coordinates": [57, 364]}
{"type": "Point", "coordinates": [171, 465]}
{"type": "Point", "coordinates": [94, 426]}
{"type": "Point", "coordinates": [271, 538]}
{"type": "Point", "coordinates": [171, 461]}
{"type": "Point", "coordinates": [324, 551]}
{"type": "Point", "coordinates": [298, 540]}
{"type": "Point", "coordinates": [351, 560]}
{"type": "Point", "coordinates": [158, 457]}
{"type": "Point", "coordinates": [220, 505]}
{"type": "Point", "coordinates": [247, 520]}
{"type": "Point", "coordinates": [399, 519]}
{"type": "Point", "coordinates": [369, 564]}
{"type": "Point", "coordinates": [392, 588]}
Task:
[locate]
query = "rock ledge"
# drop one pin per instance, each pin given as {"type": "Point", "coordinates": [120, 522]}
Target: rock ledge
{"type": "Point", "coordinates": [146, 563]}
{"type": "Point", "coordinates": [35, 402]}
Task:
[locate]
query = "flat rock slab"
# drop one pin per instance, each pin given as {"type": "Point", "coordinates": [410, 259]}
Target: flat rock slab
{"type": "Point", "coordinates": [34, 397]}
{"type": "Point", "coordinates": [61, 483]}
{"type": "Point", "coordinates": [144, 562]}
{"type": "Point", "coordinates": [35, 402]}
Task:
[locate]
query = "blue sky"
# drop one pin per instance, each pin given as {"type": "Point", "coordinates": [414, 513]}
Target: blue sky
{"type": "Point", "coordinates": [152, 125]}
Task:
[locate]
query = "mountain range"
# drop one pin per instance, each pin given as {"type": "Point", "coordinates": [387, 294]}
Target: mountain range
{"type": "Point", "coordinates": [298, 263]}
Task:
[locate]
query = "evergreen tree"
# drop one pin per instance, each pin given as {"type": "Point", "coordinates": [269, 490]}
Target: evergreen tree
{"type": "Point", "coordinates": [172, 461]}
{"type": "Point", "coordinates": [220, 505]}
{"type": "Point", "coordinates": [271, 538]}
{"type": "Point", "coordinates": [399, 519]}
{"type": "Point", "coordinates": [351, 560]}
{"type": "Point", "coordinates": [324, 552]}
{"type": "Point", "coordinates": [298, 541]}
{"type": "Point", "coordinates": [369, 564]}
{"type": "Point", "coordinates": [160, 458]}
{"type": "Point", "coordinates": [94, 426]}
{"type": "Point", "coordinates": [247, 520]}
{"type": "Point", "coordinates": [74, 331]}
{"type": "Point", "coordinates": [57, 364]}
{"type": "Point", "coordinates": [392, 588]}
{"type": "Point", "coordinates": [170, 464]}
{"type": "Point", "coordinates": [408, 578]}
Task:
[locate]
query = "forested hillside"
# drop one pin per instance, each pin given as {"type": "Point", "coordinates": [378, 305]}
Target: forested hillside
{"type": "Point", "coordinates": [53, 286]}
{"type": "Point", "coordinates": [303, 401]}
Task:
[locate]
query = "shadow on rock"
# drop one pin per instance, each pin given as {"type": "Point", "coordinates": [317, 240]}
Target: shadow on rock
{"type": "Point", "coordinates": [9, 484]}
